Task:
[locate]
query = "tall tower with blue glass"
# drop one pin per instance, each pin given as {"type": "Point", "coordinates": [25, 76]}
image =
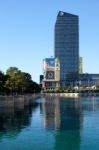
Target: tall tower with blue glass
{"type": "Point", "coordinates": [67, 46]}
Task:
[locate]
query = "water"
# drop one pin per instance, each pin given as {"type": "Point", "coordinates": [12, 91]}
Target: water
{"type": "Point", "coordinates": [51, 124]}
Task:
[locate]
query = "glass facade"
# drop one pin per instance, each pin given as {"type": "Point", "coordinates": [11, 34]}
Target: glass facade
{"type": "Point", "coordinates": [67, 45]}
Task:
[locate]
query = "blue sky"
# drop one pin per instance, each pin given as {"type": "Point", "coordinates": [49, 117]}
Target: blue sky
{"type": "Point", "coordinates": [27, 32]}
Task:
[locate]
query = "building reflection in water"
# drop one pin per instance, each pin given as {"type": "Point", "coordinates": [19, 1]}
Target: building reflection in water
{"type": "Point", "coordinates": [62, 113]}
{"type": "Point", "coordinates": [90, 103]}
{"type": "Point", "coordinates": [68, 137]}
{"type": "Point", "coordinates": [65, 117]}
{"type": "Point", "coordinates": [51, 112]}
{"type": "Point", "coordinates": [71, 114]}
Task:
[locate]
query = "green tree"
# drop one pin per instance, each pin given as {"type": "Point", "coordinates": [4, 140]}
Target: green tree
{"type": "Point", "coordinates": [3, 79]}
{"type": "Point", "coordinates": [20, 82]}
{"type": "Point", "coordinates": [12, 71]}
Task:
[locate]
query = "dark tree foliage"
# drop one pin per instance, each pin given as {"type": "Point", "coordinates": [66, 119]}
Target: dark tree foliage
{"type": "Point", "coordinates": [17, 82]}
{"type": "Point", "coordinates": [3, 79]}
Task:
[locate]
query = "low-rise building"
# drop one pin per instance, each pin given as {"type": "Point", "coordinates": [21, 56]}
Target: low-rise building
{"type": "Point", "coordinates": [89, 80]}
{"type": "Point", "coordinates": [51, 72]}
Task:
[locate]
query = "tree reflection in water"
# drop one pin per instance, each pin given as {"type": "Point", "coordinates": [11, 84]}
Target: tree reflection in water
{"type": "Point", "coordinates": [13, 120]}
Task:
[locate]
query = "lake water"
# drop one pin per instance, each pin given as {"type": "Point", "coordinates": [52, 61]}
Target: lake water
{"type": "Point", "coordinates": [53, 123]}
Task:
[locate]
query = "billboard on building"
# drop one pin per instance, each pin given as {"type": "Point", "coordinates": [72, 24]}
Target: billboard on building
{"type": "Point", "coordinates": [48, 63]}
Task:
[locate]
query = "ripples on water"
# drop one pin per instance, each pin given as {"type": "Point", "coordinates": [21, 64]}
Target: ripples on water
{"type": "Point", "coordinates": [53, 123]}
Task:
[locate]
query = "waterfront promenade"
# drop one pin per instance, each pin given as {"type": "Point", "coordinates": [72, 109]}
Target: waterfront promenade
{"type": "Point", "coordinates": [20, 101]}
{"type": "Point", "coordinates": [17, 101]}
{"type": "Point", "coordinates": [72, 95]}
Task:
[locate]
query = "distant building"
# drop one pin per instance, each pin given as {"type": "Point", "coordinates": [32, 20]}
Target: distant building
{"type": "Point", "coordinates": [89, 80]}
{"type": "Point", "coordinates": [51, 71]}
{"type": "Point", "coordinates": [66, 68]}
{"type": "Point", "coordinates": [80, 65]}
{"type": "Point", "coordinates": [67, 46]}
{"type": "Point", "coordinates": [41, 79]}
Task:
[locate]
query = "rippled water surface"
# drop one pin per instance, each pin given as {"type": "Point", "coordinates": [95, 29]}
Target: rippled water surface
{"type": "Point", "coordinates": [51, 123]}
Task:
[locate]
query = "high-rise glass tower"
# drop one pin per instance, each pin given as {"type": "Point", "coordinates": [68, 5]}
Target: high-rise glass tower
{"type": "Point", "coordinates": [67, 46]}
